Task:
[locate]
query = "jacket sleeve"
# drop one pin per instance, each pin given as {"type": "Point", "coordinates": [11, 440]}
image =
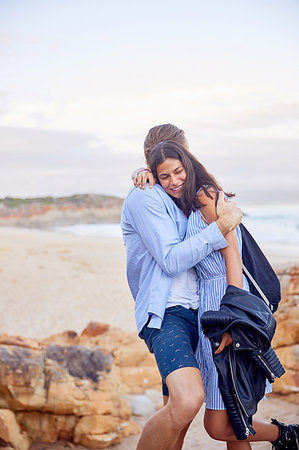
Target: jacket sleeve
{"type": "Point", "coordinates": [159, 233]}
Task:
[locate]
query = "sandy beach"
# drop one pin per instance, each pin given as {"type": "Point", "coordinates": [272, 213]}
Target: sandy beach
{"type": "Point", "coordinates": [52, 282]}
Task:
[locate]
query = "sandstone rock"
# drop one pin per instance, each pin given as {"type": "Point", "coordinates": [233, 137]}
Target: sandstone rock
{"type": "Point", "coordinates": [95, 329]}
{"type": "Point", "coordinates": [287, 384]}
{"type": "Point", "coordinates": [129, 428]}
{"type": "Point", "coordinates": [19, 341]}
{"type": "Point", "coordinates": [110, 340]}
{"type": "Point", "coordinates": [10, 432]}
{"type": "Point", "coordinates": [22, 378]}
{"type": "Point", "coordinates": [97, 431]}
{"type": "Point", "coordinates": [136, 380]}
{"type": "Point", "coordinates": [287, 331]}
{"type": "Point", "coordinates": [80, 361]}
{"type": "Point", "coordinates": [289, 357]}
{"type": "Point", "coordinates": [135, 354]}
{"type": "Point", "coordinates": [68, 337]}
{"type": "Point", "coordinates": [46, 427]}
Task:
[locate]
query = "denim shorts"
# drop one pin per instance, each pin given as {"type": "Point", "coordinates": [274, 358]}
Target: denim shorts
{"type": "Point", "coordinates": [174, 344]}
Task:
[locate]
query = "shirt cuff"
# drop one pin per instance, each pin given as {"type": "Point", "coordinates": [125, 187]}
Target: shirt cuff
{"type": "Point", "coordinates": [215, 237]}
{"type": "Point", "coordinates": [155, 322]}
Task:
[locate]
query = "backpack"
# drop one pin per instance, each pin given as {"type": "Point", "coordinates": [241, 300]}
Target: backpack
{"type": "Point", "coordinates": [263, 281]}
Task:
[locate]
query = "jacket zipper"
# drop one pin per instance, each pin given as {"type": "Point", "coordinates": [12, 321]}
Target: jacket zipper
{"type": "Point", "coordinates": [267, 367]}
{"type": "Point", "coordinates": [247, 431]}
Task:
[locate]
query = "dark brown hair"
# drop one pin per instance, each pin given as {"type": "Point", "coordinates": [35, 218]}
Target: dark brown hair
{"type": "Point", "coordinates": [196, 175]}
{"type": "Point", "coordinates": [162, 133]}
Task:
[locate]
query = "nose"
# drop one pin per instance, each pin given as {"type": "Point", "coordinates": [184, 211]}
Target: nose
{"type": "Point", "coordinates": [173, 179]}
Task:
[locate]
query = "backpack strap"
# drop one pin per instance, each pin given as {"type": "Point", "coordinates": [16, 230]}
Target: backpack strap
{"type": "Point", "coordinates": [247, 273]}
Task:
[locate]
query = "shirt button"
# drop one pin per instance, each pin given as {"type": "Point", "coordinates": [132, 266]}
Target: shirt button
{"type": "Point", "coordinates": [237, 345]}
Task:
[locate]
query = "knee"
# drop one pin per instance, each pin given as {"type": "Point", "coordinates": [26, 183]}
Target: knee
{"type": "Point", "coordinates": [219, 430]}
{"type": "Point", "coordinates": [216, 433]}
{"type": "Point", "coordinates": [184, 408]}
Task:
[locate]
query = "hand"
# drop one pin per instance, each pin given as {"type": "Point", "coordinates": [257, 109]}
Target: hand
{"type": "Point", "coordinates": [142, 178]}
{"type": "Point", "coordinates": [229, 215]}
{"type": "Point", "coordinates": [226, 340]}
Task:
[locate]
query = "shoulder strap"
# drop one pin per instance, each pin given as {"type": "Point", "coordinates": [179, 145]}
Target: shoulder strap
{"type": "Point", "coordinates": [247, 273]}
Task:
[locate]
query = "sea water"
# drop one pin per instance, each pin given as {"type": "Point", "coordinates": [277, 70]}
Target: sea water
{"type": "Point", "coordinates": [275, 226]}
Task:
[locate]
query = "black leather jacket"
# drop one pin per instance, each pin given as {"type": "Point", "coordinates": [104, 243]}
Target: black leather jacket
{"type": "Point", "coordinates": [243, 366]}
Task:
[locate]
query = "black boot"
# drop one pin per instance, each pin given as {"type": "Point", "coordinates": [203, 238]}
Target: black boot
{"type": "Point", "coordinates": [288, 438]}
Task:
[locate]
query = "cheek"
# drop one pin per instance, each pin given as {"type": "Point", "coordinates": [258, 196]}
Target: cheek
{"type": "Point", "coordinates": [163, 184]}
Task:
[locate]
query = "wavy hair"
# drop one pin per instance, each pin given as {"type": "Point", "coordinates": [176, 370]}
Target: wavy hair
{"type": "Point", "coordinates": [162, 133]}
{"type": "Point", "coordinates": [196, 174]}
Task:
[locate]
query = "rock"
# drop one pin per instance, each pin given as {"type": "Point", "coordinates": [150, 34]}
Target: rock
{"type": "Point", "coordinates": [59, 390]}
{"type": "Point", "coordinates": [19, 342]}
{"type": "Point", "coordinates": [22, 378]}
{"type": "Point", "coordinates": [289, 357]}
{"type": "Point", "coordinates": [68, 337]}
{"type": "Point", "coordinates": [95, 329]}
{"type": "Point", "coordinates": [287, 331]}
{"type": "Point", "coordinates": [80, 361]}
{"type": "Point", "coordinates": [46, 427]}
{"type": "Point", "coordinates": [136, 380]}
{"type": "Point", "coordinates": [140, 405]}
{"type": "Point", "coordinates": [287, 384]}
{"type": "Point", "coordinates": [10, 432]}
{"type": "Point", "coordinates": [97, 431]}
{"type": "Point", "coordinates": [135, 354]}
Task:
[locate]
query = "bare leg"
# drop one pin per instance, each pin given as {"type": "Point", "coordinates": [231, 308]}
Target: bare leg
{"type": "Point", "coordinates": [166, 428]}
{"type": "Point", "coordinates": [218, 426]}
{"type": "Point", "coordinates": [239, 445]}
{"type": "Point", "coordinates": [179, 443]}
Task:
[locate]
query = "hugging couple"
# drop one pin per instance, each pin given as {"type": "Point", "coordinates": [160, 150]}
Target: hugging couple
{"type": "Point", "coordinates": [184, 247]}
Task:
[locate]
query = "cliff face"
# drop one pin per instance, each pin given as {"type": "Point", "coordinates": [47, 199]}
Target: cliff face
{"type": "Point", "coordinates": [50, 211]}
{"type": "Point", "coordinates": [72, 388]}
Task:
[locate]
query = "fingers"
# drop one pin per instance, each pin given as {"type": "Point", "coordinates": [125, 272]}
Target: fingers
{"type": "Point", "coordinates": [221, 196]}
{"type": "Point", "coordinates": [152, 180]}
{"type": "Point", "coordinates": [142, 178]}
{"type": "Point", "coordinates": [226, 340]}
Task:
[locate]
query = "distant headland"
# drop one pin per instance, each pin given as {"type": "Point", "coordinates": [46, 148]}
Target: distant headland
{"type": "Point", "coordinates": [47, 212]}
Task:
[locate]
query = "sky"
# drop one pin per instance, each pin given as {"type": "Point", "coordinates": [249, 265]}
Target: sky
{"type": "Point", "coordinates": [82, 81]}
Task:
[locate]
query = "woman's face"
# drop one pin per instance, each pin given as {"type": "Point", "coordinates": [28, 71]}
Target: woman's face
{"type": "Point", "coordinates": [172, 175]}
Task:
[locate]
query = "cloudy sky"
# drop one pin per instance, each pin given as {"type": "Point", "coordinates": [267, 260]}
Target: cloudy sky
{"type": "Point", "coordinates": [82, 81]}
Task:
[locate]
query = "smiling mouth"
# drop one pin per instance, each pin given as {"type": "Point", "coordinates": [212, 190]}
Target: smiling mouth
{"type": "Point", "coordinates": [177, 188]}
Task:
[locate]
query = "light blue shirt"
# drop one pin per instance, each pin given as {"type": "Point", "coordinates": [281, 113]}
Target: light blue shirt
{"type": "Point", "coordinates": [154, 229]}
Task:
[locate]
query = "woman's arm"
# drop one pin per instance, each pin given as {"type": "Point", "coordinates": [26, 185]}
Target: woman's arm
{"type": "Point", "coordinates": [233, 260]}
{"type": "Point", "coordinates": [231, 253]}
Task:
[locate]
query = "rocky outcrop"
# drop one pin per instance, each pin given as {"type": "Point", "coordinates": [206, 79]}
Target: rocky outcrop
{"type": "Point", "coordinates": [50, 211]}
{"type": "Point", "coordinates": [71, 387]}
{"type": "Point", "coordinates": [78, 388]}
{"type": "Point", "coordinates": [286, 338]}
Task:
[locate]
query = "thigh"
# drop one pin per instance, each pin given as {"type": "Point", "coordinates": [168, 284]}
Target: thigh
{"type": "Point", "coordinates": [174, 344]}
{"type": "Point", "coordinates": [185, 383]}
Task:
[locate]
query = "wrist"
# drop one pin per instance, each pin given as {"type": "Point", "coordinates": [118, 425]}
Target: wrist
{"type": "Point", "coordinates": [142, 170]}
{"type": "Point", "coordinates": [223, 225]}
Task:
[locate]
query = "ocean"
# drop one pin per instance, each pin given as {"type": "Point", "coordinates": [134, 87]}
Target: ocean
{"type": "Point", "coordinates": [273, 226]}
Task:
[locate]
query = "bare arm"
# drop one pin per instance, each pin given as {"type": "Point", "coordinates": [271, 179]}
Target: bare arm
{"type": "Point", "coordinates": [231, 253]}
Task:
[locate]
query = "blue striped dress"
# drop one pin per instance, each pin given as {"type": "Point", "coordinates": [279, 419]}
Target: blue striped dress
{"type": "Point", "coordinates": [212, 286]}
